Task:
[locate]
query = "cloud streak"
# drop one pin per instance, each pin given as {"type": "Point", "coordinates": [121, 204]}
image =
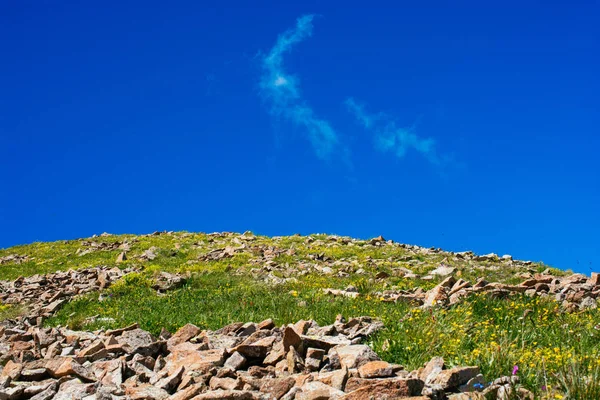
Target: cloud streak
{"type": "Point", "coordinates": [281, 91]}
{"type": "Point", "coordinates": [389, 137]}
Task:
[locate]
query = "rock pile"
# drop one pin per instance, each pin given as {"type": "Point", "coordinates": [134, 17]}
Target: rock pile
{"type": "Point", "coordinates": [263, 262]}
{"type": "Point", "coordinates": [241, 361]}
{"type": "Point", "coordinates": [44, 294]}
{"type": "Point", "coordinates": [13, 259]}
{"type": "Point", "coordinates": [91, 246]}
{"type": "Point", "coordinates": [575, 292]}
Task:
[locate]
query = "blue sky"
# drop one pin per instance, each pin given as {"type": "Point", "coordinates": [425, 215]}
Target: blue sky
{"type": "Point", "coordinates": [461, 125]}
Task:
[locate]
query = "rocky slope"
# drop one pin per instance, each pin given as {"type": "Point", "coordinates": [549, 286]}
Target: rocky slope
{"type": "Point", "coordinates": [240, 361]}
{"type": "Point", "coordinates": [246, 360]}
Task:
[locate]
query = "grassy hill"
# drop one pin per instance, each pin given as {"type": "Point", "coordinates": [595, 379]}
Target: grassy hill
{"type": "Point", "coordinates": [230, 277]}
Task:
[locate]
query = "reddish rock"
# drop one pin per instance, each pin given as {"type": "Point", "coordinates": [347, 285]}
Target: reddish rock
{"type": "Point", "coordinates": [354, 356]}
{"type": "Point", "coordinates": [466, 396]}
{"type": "Point", "coordinates": [277, 387]}
{"type": "Point", "coordinates": [294, 361]}
{"type": "Point", "coordinates": [382, 389]}
{"type": "Point", "coordinates": [258, 349]}
{"type": "Point", "coordinates": [318, 391]}
{"type": "Point", "coordinates": [12, 370]}
{"type": "Point", "coordinates": [314, 357]}
{"type": "Point", "coordinates": [431, 369]}
{"type": "Point", "coordinates": [117, 332]}
{"type": "Point", "coordinates": [436, 296]}
{"type": "Point", "coordinates": [170, 382]}
{"type": "Point", "coordinates": [376, 369]}
{"type": "Point", "coordinates": [529, 282]}
{"type": "Point", "coordinates": [184, 334]}
{"type": "Point", "coordinates": [302, 326]}
{"type": "Point", "coordinates": [189, 392]}
{"type": "Point", "coordinates": [275, 355]}
{"type": "Point", "coordinates": [91, 349]}
{"type": "Point", "coordinates": [235, 361]}
{"type": "Point", "coordinates": [291, 338]}
{"type": "Point", "coordinates": [228, 395]}
{"type": "Point", "coordinates": [120, 258]}
{"type": "Point", "coordinates": [452, 378]}
{"type": "Point", "coordinates": [225, 383]}
{"type": "Point", "coordinates": [266, 324]}
{"type": "Point", "coordinates": [336, 379]}
{"type": "Point", "coordinates": [65, 366]}
{"type": "Point", "coordinates": [193, 359]}
{"type": "Point", "coordinates": [146, 392]}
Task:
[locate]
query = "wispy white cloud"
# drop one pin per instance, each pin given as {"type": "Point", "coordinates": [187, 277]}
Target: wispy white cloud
{"type": "Point", "coordinates": [281, 91]}
{"type": "Point", "coordinates": [389, 137]}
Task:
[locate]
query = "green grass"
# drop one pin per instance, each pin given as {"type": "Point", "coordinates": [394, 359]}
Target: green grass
{"type": "Point", "coordinates": [557, 354]}
{"type": "Point", "coordinates": [10, 311]}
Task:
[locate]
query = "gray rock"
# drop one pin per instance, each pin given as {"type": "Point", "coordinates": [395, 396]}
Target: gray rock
{"type": "Point", "coordinates": [354, 356]}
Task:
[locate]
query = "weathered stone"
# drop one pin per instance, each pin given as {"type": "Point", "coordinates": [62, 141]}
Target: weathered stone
{"type": "Point", "coordinates": [318, 391]}
{"type": "Point", "coordinates": [34, 374]}
{"type": "Point", "coordinates": [266, 324]}
{"type": "Point", "coordinates": [383, 389]}
{"type": "Point", "coordinates": [139, 341]}
{"type": "Point", "coordinates": [141, 371]}
{"type": "Point", "coordinates": [194, 360]}
{"type": "Point", "coordinates": [146, 392]}
{"type": "Point", "coordinates": [227, 395]}
{"type": "Point", "coordinates": [436, 296]}
{"type": "Point", "coordinates": [121, 257]}
{"type": "Point", "coordinates": [222, 341]}
{"type": "Point", "coordinates": [443, 270]}
{"type": "Point", "coordinates": [324, 342]}
{"type": "Point", "coordinates": [354, 356]}
{"type": "Point", "coordinates": [11, 393]}
{"type": "Point", "coordinates": [52, 307]}
{"type": "Point", "coordinates": [91, 349]}
{"type": "Point", "coordinates": [110, 373]}
{"type": "Point", "coordinates": [235, 361]}
{"type": "Point", "coordinates": [225, 383]}
{"type": "Point", "coordinates": [594, 279]}
{"type": "Point", "coordinates": [294, 361]}
{"type": "Point", "coordinates": [291, 338]}
{"type": "Point", "coordinates": [588, 303]}
{"type": "Point", "coordinates": [170, 382]}
{"type": "Point", "coordinates": [277, 387]}
{"type": "Point", "coordinates": [258, 349]}
{"type": "Point", "coordinates": [375, 369]}
{"type": "Point", "coordinates": [45, 394]}
{"type": "Point", "coordinates": [467, 396]}
{"type": "Point", "coordinates": [184, 334]}
{"type": "Point", "coordinates": [431, 369]}
{"type": "Point", "coordinates": [342, 293]}
{"type": "Point", "coordinates": [64, 366]}
{"type": "Point", "coordinates": [12, 370]}
{"type": "Point", "coordinates": [314, 357]}
{"type": "Point", "coordinates": [459, 285]}
{"type": "Point", "coordinates": [188, 392]}
{"type": "Point", "coordinates": [33, 388]}
{"type": "Point", "coordinates": [303, 326]}
{"type": "Point", "coordinates": [452, 378]}
{"type": "Point", "coordinates": [74, 389]}
{"type": "Point", "coordinates": [275, 355]}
